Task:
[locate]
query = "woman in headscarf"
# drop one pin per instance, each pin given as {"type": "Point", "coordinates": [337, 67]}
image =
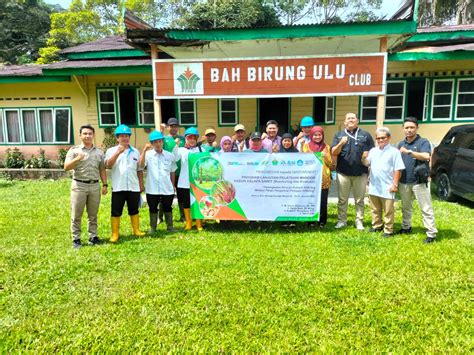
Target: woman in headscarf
{"type": "Point", "coordinates": [287, 145]}
{"type": "Point", "coordinates": [316, 144]}
{"type": "Point", "coordinates": [226, 144]}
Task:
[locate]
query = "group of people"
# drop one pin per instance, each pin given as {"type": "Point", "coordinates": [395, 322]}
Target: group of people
{"type": "Point", "coordinates": [352, 154]}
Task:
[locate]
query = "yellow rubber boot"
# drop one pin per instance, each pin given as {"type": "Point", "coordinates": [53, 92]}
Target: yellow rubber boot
{"type": "Point", "coordinates": [189, 221]}
{"type": "Point", "coordinates": [136, 226]}
{"type": "Point", "coordinates": [198, 224]}
{"type": "Point", "coordinates": [115, 229]}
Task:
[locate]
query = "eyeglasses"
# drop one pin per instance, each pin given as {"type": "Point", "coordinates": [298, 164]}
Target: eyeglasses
{"type": "Point", "coordinates": [381, 138]}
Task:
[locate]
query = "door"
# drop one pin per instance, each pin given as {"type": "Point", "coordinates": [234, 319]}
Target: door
{"type": "Point", "coordinates": [277, 109]}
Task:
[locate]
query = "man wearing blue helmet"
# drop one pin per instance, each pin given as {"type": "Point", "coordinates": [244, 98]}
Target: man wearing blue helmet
{"type": "Point", "coordinates": [304, 137]}
{"type": "Point", "coordinates": [127, 181]}
{"type": "Point", "coordinates": [160, 181]}
{"type": "Point", "coordinates": [191, 135]}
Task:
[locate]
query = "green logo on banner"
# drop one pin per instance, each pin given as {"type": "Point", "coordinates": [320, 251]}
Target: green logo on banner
{"type": "Point", "coordinates": [188, 81]}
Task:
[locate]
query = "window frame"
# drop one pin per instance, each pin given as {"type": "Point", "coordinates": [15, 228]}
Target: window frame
{"type": "Point", "coordinates": [220, 111]}
{"type": "Point", "coordinates": [178, 114]}
{"type": "Point", "coordinates": [36, 110]}
{"type": "Point", "coordinates": [5, 110]}
{"type": "Point", "coordinates": [332, 120]}
{"type": "Point", "coordinates": [456, 100]}
{"type": "Point", "coordinates": [404, 105]}
{"type": "Point", "coordinates": [36, 119]}
{"type": "Point", "coordinates": [116, 108]}
{"type": "Point", "coordinates": [432, 106]}
{"type": "Point", "coordinates": [140, 103]}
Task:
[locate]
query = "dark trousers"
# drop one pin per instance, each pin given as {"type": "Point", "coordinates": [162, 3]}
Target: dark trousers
{"type": "Point", "coordinates": [183, 197]}
{"type": "Point", "coordinates": [154, 200]}
{"type": "Point", "coordinates": [323, 208]}
{"type": "Point", "coordinates": [118, 201]}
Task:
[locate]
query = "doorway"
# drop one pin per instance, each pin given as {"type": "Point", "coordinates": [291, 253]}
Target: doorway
{"type": "Point", "coordinates": [277, 109]}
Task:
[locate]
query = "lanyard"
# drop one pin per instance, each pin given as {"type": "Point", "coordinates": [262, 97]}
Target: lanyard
{"type": "Point", "coordinates": [354, 137]}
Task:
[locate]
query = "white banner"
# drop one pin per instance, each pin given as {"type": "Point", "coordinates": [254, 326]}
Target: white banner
{"type": "Point", "coordinates": [256, 186]}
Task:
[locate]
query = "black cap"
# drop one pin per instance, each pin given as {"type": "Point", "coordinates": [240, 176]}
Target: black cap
{"type": "Point", "coordinates": [256, 135]}
{"type": "Point", "coordinates": [173, 121]}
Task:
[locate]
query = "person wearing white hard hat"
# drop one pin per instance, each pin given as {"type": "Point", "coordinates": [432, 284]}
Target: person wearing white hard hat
{"type": "Point", "coordinates": [127, 181]}
{"type": "Point", "coordinates": [161, 174]}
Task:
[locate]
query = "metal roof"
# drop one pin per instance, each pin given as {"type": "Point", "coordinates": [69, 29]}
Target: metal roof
{"type": "Point", "coordinates": [21, 70]}
{"type": "Point", "coordinates": [111, 43]}
{"type": "Point", "coordinates": [106, 63]}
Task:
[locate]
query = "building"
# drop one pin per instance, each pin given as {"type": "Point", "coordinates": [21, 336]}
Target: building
{"type": "Point", "coordinates": [429, 74]}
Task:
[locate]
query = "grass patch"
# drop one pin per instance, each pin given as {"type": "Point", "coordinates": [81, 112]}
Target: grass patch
{"type": "Point", "coordinates": [234, 287]}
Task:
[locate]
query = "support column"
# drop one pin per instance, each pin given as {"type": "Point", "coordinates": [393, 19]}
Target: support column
{"type": "Point", "coordinates": [156, 102]}
{"type": "Point", "coordinates": [380, 117]}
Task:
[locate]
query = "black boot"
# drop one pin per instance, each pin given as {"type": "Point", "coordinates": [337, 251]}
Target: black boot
{"type": "Point", "coordinates": [153, 223]}
{"type": "Point", "coordinates": [169, 222]}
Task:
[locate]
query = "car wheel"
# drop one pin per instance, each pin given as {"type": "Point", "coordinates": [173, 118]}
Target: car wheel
{"type": "Point", "coordinates": [443, 187]}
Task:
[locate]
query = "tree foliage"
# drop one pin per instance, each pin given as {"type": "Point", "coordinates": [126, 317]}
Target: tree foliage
{"type": "Point", "coordinates": [24, 26]}
{"type": "Point", "coordinates": [228, 14]}
{"type": "Point", "coordinates": [440, 12]}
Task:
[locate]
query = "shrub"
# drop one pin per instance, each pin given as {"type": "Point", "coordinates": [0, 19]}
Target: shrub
{"type": "Point", "coordinates": [109, 139]}
{"type": "Point", "coordinates": [61, 157]}
{"type": "Point", "coordinates": [15, 159]}
{"type": "Point", "coordinates": [37, 162]}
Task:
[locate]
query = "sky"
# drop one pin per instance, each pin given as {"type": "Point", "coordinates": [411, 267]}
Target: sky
{"type": "Point", "coordinates": [388, 6]}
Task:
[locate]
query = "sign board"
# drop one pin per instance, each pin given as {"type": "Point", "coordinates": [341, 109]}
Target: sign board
{"type": "Point", "coordinates": [255, 186]}
{"type": "Point", "coordinates": [362, 74]}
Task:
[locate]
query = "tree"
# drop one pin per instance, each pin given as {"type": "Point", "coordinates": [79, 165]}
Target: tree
{"type": "Point", "coordinates": [229, 14]}
{"type": "Point", "coordinates": [325, 11]}
{"type": "Point", "coordinates": [439, 12]}
{"type": "Point", "coordinates": [24, 28]}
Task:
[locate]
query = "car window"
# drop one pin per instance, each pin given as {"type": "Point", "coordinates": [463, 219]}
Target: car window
{"type": "Point", "coordinates": [450, 138]}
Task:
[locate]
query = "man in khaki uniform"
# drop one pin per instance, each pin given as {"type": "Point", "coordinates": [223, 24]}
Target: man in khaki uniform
{"type": "Point", "coordinates": [87, 163]}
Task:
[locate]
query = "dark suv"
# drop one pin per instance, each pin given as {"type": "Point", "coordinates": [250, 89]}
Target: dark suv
{"type": "Point", "coordinates": [452, 164]}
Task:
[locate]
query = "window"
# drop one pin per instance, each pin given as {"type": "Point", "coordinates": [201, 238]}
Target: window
{"type": "Point", "coordinates": [145, 106]}
{"type": "Point", "coordinates": [442, 99]}
{"type": "Point", "coordinates": [395, 100]}
{"type": "Point", "coordinates": [465, 99]}
{"type": "Point", "coordinates": [426, 99]}
{"type": "Point", "coordinates": [187, 112]}
{"type": "Point", "coordinates": [107, 109]}
{"type": "Point", "coordinates": [368, 109]}
{"type": "Point", "coordinates": [13, 126]}
{"type": "Point", "coordinates": [35, 125]}
{"type": "Point", "coordinates": [2, 130]}
{"type": "Point", "coordinates": [323, 109]}
{"type": "Point", "coordinates": [30, 134]}
{"type": "Point", "coordinates": [228, 112]}
{"type": "Point", "coordinates": [125, 105]}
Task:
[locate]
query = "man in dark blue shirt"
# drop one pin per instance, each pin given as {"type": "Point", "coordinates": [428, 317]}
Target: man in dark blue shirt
{"type": "Point", "coordinates": [349, 145]}
{"type": "Point", "coordinates": [415, 151]}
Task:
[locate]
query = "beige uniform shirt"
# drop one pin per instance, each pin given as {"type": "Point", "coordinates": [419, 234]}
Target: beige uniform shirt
{"type": "Point", "coordinates": [90, 167]}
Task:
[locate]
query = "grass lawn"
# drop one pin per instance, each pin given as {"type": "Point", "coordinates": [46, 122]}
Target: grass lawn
{"type": "Point", "coordinates": [233, 290]}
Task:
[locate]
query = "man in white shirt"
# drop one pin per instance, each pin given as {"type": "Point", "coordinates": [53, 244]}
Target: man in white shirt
{"type": "Point", "coordinates": [386, 165]}
{"type": "Point", "coordinates": [161, 174]}
{"type": "Point", "coordinates": [127, 181]}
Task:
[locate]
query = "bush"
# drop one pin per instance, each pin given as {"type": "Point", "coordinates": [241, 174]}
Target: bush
{"type": "Point", "coordinates": [109, 139]}
{"type": "Point", "coordinates": [15, 159]}
{"type": "Point", "coordinates": [37, 162]}
{"type": "Point", "coordinates": [61, 157]}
